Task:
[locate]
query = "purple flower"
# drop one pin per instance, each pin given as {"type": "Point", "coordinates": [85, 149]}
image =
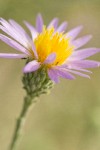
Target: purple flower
{"type": "Point", "coordinates": [50, 47]}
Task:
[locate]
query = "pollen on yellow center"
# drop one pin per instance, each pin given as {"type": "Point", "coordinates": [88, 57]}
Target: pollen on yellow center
{"type": "Point", "coordinates": [48, 42]}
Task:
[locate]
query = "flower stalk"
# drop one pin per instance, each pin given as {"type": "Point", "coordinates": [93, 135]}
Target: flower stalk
{"type": "Point", "coordinates": [20, 124]}
{"type": "Point", "coordinates": [35, 84]}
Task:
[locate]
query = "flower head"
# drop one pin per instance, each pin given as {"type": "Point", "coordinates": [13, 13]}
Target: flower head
{"type": "Point", "coordinates": [50, 47]}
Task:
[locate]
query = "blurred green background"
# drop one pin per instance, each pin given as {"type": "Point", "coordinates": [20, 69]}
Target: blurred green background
{"type": "Point", "coordinates": [68, 118]}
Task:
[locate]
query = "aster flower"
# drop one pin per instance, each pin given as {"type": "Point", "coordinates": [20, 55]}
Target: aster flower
{"type": "Point", "coordinates": [50, 53]}
{"type": "Point", "coordinates": [52, 47]}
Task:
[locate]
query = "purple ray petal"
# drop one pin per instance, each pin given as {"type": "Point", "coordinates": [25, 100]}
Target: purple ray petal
{"type": "Point", "coordinates": [13, 44]}
{"type": "Point", "coordinates": [16, 26]}
{"type": "Point", "coordinates": [74, 67]}
{"type": "Point", "coordinates": [10, 34]}
{"type": "Point", "coordinates": [6, 55]}
{"type": "Point", "coordinates": [33, 31]}
{"type": "Point", "coordinates": [5, 23]}
{"type": "Point", "coordinates": [53, 23]}
{"type": "Point", "coordinates": [31, 66]}
{"type": "Point", "coordinates": [34, 50]}
{"type": "Point", "coordinates": [19, 29]}
{"type": "Point", "coordinates": [39, 23]}
{"type": "Point", "coordinates": [50, 59]}
{"type": "Point", "coordinates": [78, 73]}
{"type": "Point", "coordinates": [84, 53]}
{"type": "Point", "coordinates": [81, 41]}
{"type": "Point", "coordinates": [62, 27]}
{"type": "Point", "coordinates": [74, 32]}
{"type": "Point", "coordinates": [84, 64]}
{"type": "Point", "coordinates": [53, 75]}
{"type": "Point", "coordinates": [64, 74]}
{"type": "Point", "coordinates": [80, 69]}
{"type": "Point", "coordinates": [11, 31]}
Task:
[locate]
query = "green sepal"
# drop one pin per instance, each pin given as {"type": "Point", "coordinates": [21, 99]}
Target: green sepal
{"type": "Point", "coordinates": [37, 83]}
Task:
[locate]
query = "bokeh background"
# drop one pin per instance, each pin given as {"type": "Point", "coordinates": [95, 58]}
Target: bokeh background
{"type": "Point", "coordinates": [68, 118]}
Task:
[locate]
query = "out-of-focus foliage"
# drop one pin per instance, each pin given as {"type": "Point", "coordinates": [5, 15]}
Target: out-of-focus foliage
{"type": "Point", "coordinates": [69, 118]}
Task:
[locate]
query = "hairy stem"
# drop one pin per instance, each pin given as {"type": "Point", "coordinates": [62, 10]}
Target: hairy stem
{"type": "Point", "coordinates": [35, 84]}
{"type": "Point", "coordinates": [20, 123]}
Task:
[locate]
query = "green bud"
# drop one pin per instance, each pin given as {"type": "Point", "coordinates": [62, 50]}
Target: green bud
{"type": "Point", "coordinates": [37, 83]}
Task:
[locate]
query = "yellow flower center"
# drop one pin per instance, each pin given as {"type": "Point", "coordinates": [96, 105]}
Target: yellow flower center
{"type": "Point", "coordinates": [48, 42]}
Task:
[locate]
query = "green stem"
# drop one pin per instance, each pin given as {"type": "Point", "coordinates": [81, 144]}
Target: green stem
{"type": "Point", "coordinates": [35, 84]}
{"type": "Point", "coordinates": [20, 123]}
